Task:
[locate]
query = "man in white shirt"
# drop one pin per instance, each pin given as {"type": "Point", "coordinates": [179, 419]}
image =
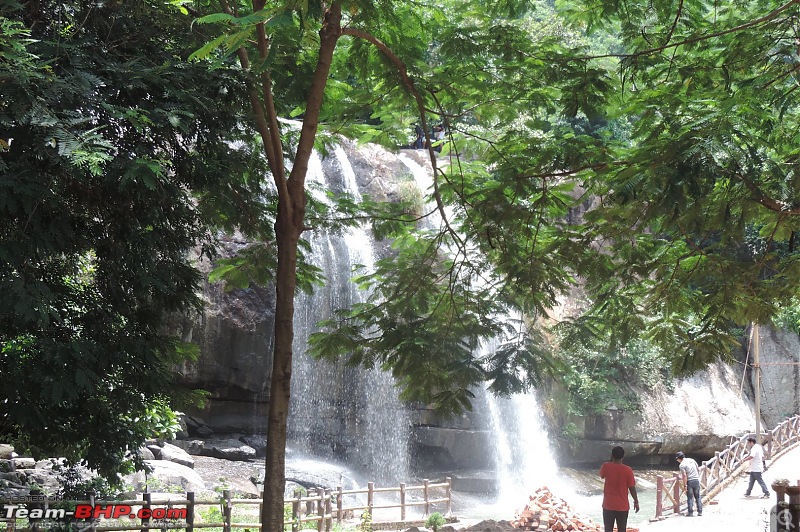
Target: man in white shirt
{"type": "Point", "coordinates": [691, 477]}
{"type": "Point", "coordinates": [756, 459]}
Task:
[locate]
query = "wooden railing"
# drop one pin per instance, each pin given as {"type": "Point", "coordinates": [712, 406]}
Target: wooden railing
{"type": "Point", "coordinates": [322, 506]}
{"type": "Point", "coordinates": [725, 465]}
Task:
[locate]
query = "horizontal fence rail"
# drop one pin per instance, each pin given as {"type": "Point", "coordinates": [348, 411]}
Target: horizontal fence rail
{"type": "Point", "coordinates": [322, 506]}
{"type": "Point", "coordinates": [725, 465]}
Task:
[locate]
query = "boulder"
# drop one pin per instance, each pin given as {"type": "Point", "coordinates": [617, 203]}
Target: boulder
{"type": "Point", "coordinates": [6, 451]}
{"type": "Point", "coordinates": [176, 454]}
{"type": "Point", "coordinates": [166, 474]}
{"type": "Point", "coordinates": [240, 488]}
{"type": "Point", "coordinates": [191, 446]}
{"type": "Point", "coordinates": [259, 443]}
{"type": "Point", "coordinates": [44, 479]}
{"type": "Point", "coordinates": [155, 450]}
{"type": "Point", "coordinates": [229, 449]}
{"type": "Point", "coordinates": [146, 453]}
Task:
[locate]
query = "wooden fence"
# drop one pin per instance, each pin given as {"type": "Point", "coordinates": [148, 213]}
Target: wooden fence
{"type": "Point", "coordinates": [322, 506]}
{"type": "Point", "coordinates": [726, 465]}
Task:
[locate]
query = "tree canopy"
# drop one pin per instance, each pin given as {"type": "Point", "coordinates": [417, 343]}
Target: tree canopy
{"type": "Point", "coordinates": [654, 169]}
{"type": "Point", "coordinates": [114, 166]}
{"type": "Point", "coordinates": [642, 151]}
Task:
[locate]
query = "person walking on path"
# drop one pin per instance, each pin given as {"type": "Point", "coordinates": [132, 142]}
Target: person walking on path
{"type": "Point", "coordinates": [691, 477]}
{"type": "Point", "coordinates": [756, 459]}
{"type": "Point", "coordinates": [618, 483]}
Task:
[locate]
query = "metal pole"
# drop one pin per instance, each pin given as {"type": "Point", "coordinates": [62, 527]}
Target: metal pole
{"type": "Point", "coordinates": [757, 377]}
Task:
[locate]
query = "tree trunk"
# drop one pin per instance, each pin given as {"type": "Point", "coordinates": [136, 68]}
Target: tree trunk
{"type": "Point", "coordinates": [289, 227]}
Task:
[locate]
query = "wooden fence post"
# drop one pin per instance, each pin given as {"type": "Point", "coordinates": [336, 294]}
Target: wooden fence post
{"type": "Point", "coordinates": [449, 494]}
{"type": "Point", "coordinates": [402, 501]}
{"type": "Point", "coordinates": [676, 492]}
{"type": "Point", "coordinates": [296, 511]}
{"type": "Point", "coordinates": [320, 500]}
{"type": "Point", "coordinates": [227, 510]}
{"type": "Point", "coordinates": [147, 497]}
{"type": "Point", "coordinates": [309, 504]}
{"type": "Point", "coordinates": [370, 498]}
{"type": "Point", "coordinates": [328, 511]}
{"type": "Point", "coordinates": [339, 504]}
{"type": "Point", "coordinates": [425, 483]}
{"type": "Point", "coordinates": [190, 511]}
{"type": "Point", "coordinates": [704, 477]}
{"type": "Point", "coordinates": [659, 496]}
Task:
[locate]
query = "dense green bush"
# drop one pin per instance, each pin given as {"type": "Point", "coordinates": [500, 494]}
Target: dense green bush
{"type": "Point", "coordinates": [601, 379]}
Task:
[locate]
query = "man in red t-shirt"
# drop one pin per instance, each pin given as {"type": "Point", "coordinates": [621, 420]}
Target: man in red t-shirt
{"type": "Point", "coordinates": [618, 482]}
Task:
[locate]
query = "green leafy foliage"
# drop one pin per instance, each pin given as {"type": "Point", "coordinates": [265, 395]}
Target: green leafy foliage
{"type": "Point", "coordinates": [788, 317]}
{"type": "Point", "coordinates": [117, 168]}
{"type": "Point", "coordinates": [697, 210]}
{"type": "Point", "coordinates": [650, 163]}
{"type": "Point", "coordinates": [434, 521]}
{"type": "Point", "coordinates": [599, 379]}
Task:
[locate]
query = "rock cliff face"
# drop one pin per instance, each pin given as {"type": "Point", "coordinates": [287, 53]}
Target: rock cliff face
{"type": "Point", "coordinates": [334, 418]}
{"type": "Point", "coordinates": [234, 335]}
{"type": "Point", "coordinates": [780, 375]}
{"type": "Point", "coordinates": [699, 416]}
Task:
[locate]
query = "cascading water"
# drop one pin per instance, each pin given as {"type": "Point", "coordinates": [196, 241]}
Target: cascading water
{"type": "Point", "coordinates": [347, 413]}
{"type": "Point", "coordinates": [523, 460]}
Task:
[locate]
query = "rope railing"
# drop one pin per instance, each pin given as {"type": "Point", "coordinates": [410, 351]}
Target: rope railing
{"type": "Point", "coordinates": [726, 465]}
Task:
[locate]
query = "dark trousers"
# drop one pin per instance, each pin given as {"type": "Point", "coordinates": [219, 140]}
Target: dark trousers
{"type": "Point", "coordinates": [621, 517]}
{"type": "Point", "coordinates": [693, 492]}
{"type": "Point", "coordinates": [756, 477]}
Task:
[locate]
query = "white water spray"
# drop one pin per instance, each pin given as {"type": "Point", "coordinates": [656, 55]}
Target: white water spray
{"type": "Point", "coordinates": [347, 413]}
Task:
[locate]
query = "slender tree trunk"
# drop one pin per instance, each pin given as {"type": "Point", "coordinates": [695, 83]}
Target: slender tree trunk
{"type": "Point", "coordinates": [289, 227]}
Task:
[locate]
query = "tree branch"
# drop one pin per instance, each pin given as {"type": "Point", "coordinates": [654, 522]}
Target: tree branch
{"type": "Point", "coordinates": [261, 120]}
{"type": "Point", "coordinates": [764, 200]}
{"type": "Point", "coordinates": [747, 25]}
{"type": "Point", "coordinates": [269, 103]}
{"type": "Point", "coordinates": [674, 22]}
{"type": "Point", "coordinates": [409, 84]}
{"type": "Point", "coordinates": [329, 35]}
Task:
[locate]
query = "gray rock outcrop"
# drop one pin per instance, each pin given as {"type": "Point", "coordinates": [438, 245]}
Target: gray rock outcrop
{"type": "Point", "coordinates": [175, 454]}
{"type": "Point", "coordinates": [701, 414]}
{"type": "Point", "coordinates": [780, 375]}
{"type": "Point", "coordinates": [163, 474]}
{"type": "Point", "coordinates": [6, 451]}
{"type": "Point", "coordinates": [229, 449]}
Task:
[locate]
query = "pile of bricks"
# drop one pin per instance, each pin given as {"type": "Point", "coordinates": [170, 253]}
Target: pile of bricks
{"type": "Point", "coordinates": [548, 513]}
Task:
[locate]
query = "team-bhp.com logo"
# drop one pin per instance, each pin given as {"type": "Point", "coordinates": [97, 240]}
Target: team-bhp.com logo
{"type": "Point", "coordinates": [87, 511]}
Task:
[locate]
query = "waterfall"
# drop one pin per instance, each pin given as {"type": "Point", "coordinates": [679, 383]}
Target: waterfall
{"type": "Point", "coordinates": [522, 457]}
{"type": "Point", "coordinates": [336, 411]}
